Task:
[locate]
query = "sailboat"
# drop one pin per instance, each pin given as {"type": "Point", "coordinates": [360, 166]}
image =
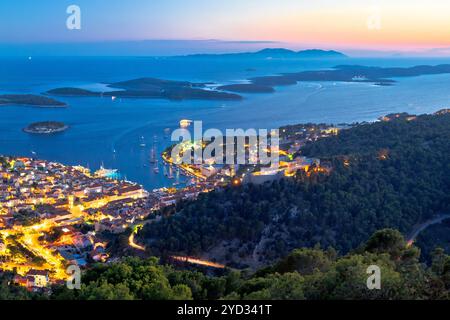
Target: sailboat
{"type": "Point", "coordinates": [170, 173]}
{"type": "Point", "coordinates": [142, 142]}
{"type": "Point", "coordinates": [177, 180]}
{"type": "Point", "coordinates": [153, 156]}
{"type": "Point", "coordinates": [166, 133]}
{"type": "Point", "coordinates": [156, 167]}
{"type": "Point", "coordinates": [153, 152]}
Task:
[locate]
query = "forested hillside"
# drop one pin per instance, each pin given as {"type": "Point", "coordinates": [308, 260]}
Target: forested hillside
{"type": "Point", "coordinates": [390, 174]}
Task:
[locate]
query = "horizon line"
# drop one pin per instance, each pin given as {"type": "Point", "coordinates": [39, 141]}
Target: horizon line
{"type": "Point", "coordinates": [255, 45]}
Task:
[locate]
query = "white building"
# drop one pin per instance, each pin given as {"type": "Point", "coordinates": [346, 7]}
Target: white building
{"type": "Point", "coordinates": [39, 277]}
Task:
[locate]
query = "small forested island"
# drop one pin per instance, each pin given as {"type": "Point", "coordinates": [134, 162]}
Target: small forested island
{"type": "Point", "coordinates": [46, 127]}
{"type": "Point", "coordinates": [30, 100]}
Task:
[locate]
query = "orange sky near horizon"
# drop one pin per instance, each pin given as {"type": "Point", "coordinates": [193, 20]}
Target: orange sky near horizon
{"type": "Point", "coordinates": [401, 25]}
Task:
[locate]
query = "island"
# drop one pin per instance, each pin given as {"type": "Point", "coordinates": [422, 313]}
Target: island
{"type": "Point", "coordinates": [47, 127]}
{"type": "Point", "coordinates": [30, 100]}
{"type": "Point", "coordinates": [276, 53]}
{"type": "Point", "coordinates": [352, 73]}
{"type": "Point", "coordinates": [152, 88]}
{"type": "Point", "coordinates": [75, 92]}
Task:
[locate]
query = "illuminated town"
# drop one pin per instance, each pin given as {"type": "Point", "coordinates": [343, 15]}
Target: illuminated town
{"type": "Point", "coordinates": [43, 206]}
{"type": "Point", "coordinates": [223, 159]}
{"type": "Point", "coordinates": [53, 216]}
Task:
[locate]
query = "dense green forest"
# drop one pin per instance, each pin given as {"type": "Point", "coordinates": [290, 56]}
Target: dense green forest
{"type": "Point", "coordinates": [389, 174]}
{"type": "Point", "coordinates": [308, 273]}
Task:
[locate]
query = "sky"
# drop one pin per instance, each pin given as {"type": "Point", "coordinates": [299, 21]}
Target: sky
{"type": "Point", "coordinates": [358, 25]}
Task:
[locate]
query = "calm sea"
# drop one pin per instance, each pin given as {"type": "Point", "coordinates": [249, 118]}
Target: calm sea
{"type": "Point", "coordinates": [109, 132]}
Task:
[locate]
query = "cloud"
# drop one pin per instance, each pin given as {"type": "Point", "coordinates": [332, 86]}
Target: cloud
{"type": "Point", "coordinates": [440, 51]}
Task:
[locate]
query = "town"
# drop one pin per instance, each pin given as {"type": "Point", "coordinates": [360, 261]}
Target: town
{"type": "Point", "coordinates": [53, 216]}
{"type": "Point", "coordinates": [216, 171]}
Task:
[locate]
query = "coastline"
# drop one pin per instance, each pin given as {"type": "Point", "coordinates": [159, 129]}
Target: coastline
{"type": "Point", "coordinates": [43, 106]}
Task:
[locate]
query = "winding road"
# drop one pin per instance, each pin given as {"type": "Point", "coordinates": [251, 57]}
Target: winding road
{"type": "Point", "coordinates": [421, 227]}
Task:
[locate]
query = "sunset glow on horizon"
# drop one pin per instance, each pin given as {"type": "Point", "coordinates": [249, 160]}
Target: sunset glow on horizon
{"type": "Point", "coordinates": [375, 25]}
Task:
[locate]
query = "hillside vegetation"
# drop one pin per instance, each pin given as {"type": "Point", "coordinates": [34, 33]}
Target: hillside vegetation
{"type": "Point", "coordinates": [392, 174]}
{"type": "Point", "coordinates": [305, 274]}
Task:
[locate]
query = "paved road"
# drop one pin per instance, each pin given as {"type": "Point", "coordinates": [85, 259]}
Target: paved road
{"type": "Point", "coordinates": [139, 225]}
{"type": "Point", "coordinates": [421, 227]}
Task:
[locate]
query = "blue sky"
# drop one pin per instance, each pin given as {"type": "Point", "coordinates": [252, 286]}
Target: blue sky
{"type": "Point", "coordinates": [404, 25]}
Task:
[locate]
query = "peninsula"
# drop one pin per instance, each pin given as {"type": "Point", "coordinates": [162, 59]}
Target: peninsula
{"type": "Point", "coordinates": [30, 100]}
